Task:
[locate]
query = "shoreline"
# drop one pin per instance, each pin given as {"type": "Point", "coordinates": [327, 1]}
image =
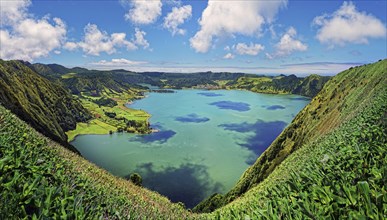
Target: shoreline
{"type": "Point", "coordinates": [104, 125]}
{"type": "Point", "coordinates": [104, 128]}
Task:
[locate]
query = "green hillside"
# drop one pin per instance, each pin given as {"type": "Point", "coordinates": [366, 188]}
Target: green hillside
{"type": "Point", "coordinates": [356, 98]}
{"type": "Point", "coordinates": [339, 176]}
{"type": "Point", "coordinates": [55, 70]}
{"type": "Point", "coordinates": [308, 86]}
{"type": "Point", "coordinates": [42, 180]}
{"type": "Point", "coordinates": [45, 105]}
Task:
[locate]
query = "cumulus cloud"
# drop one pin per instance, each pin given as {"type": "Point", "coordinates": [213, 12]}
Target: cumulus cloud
{"type": "Point", "coordinates": [13, 11]}
{"type": "Point", "coordinates": [118, 62]}
{"type": "Point", "coordinates": [96, 41]}
{"type": "Point", "coordinates": [252, 49]}
{"type": "Point", "coordinates": [233, 17]}
{"type": "Point", "coordinates": [140, 38]}
{"type": "Point", "coordinates": [288, 44]}
{"type": "Point", "coordinates": [228, 56]}
{"type": "Point", "coordinates": [348, 25]}
{"type": "Point", "coordinates": [25, 37]}
{"type": "Point", "coordinates": [177, 17]}
{"type": "Point", "coordinates": [144, 11]}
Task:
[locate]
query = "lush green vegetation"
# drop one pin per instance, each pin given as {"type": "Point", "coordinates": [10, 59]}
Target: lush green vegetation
{"type": "Point", "coordinates": [344, 97]}
{"type": "Point", "coordinates": [308, 86]}
{"type": "Point", "coordinates": [329, 163]}
{"type": "Point", "coordinates": [40, 180]}
{"type": "Point", "coordinates": [45, 105]}
{"type": "Point", "coordinates": [80, 80]}
{"type": "Point", "coordinates": [105, 102]}
{"type": "Point", "coordinates": [111, 115]}
{"type": "Point", "coordinates": [342, 175]}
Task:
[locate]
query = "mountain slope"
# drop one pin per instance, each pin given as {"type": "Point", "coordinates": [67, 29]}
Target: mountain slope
{"type": "Point", "coordinates": [308, 86]}
{"type": "Point", "coordinates": [54, 71]}
{"type": "Point", "coordinates": [342, 98]}
{"type": "Point", "coordinates": [45, 105]}
{"type": "Point", "coordinates": [341, 175]}
{"type": "Point", "coordinates": [42, 180]}
{"type": "Point", "coordinates": [311, 85]}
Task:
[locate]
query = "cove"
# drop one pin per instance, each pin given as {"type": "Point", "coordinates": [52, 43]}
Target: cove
{"type": "Point", "coordinates": [206, 140]}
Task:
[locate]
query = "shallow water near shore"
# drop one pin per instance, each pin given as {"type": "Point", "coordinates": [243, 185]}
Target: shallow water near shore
{"type": "Point", "coordinates": [206, 140]}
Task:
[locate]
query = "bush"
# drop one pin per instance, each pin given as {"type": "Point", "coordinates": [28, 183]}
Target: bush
{"type": "Point", "coordinates": [136, 179]}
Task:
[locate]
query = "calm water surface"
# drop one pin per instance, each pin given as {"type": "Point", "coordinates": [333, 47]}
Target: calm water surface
{"type": "Point", "coordinates": [206, 140]}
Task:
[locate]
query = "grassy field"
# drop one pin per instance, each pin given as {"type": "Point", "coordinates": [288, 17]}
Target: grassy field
{"type": "Point", "coordinates": [95, 126]}
{"type": "Point", "coordinates": [102, 124]}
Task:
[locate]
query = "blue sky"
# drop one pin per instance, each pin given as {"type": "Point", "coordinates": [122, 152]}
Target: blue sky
{"type": "Point", "coordinates": [263, 37]}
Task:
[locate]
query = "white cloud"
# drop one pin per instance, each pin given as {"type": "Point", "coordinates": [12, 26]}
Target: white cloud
{"type": "Point", "coordinates": [140, 38]}
{"type": "Point", "coordinates": [96, 41]}
{"type": "Point", "coordinates": [287, 45]}
{"type": "Point", "coordinates": [118, 62]}
{"type": "Point", "coordinates": [348, 25]}
{"type": "Point", "coordinates": [252, 49]}
{"type": "Point", "coordinates": [177, 17]}
{"type": "Point", "coordinates": [70, 46]}
{"type": "Point", "coordinates": [144, 11]}
{"type": "Point", "coordinates": [229, 56]}
{"type": "Point", "coordinates": [233, 17]}
{"type": "Point", "coordinates": [13, 11]}
{"type": "Point", "coordinates": [24, 37]}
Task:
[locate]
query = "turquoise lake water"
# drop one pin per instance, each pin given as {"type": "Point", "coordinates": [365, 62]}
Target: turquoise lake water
{"type": "Point", "coordinates": [207, 139]}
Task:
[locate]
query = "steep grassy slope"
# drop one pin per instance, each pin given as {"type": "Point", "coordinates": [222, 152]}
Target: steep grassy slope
{"type": "Point", "coordinates": [342, 175]}
{"type": "Point", "coordinates": [343, 97]}
{"type": "Point", "coordinates": [308, 86]}
{"type": "Point", "coordinates": [311, 85]}
{"type": "Point", "coordinates": [45, 105]}
{"type": "Point", "coordinates": [41, 179]}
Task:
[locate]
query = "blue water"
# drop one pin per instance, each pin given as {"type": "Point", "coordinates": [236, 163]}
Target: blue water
{"type": "Point", "coordinates": [206, 140]}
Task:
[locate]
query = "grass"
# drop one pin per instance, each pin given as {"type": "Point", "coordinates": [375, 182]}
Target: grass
{"type": "Point", "coordinates": [101, 123]}
{"type": "Point", "coordinates": [344, 97]}
{"type": "Point", "coordinates": [42, 180]}
{"type": "Point", "coordinates": [340, 175]}
{"type": "Point", "coordinates": [257, 84]}
{"type": "Point", "coordinates": [95, 126]}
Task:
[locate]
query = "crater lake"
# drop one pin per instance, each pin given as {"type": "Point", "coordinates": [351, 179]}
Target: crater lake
{"type": "Point", "coordinates": [205, 140]}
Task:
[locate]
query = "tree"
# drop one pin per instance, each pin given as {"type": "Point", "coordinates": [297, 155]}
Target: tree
{"type": "Point", "coordinates": [136, 179]}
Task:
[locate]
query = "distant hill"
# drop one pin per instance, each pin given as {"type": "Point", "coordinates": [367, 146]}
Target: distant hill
{"type": "Point", "coordinates": [82, 80]}
{"type": "Point", "coordinates": [45, 105]}
{"type": "Point", "coordinates": [343, 98]}
{"type": "Point", "coordinates": [54, 71]}
{"type": "Point", "coordinates": [308, 86]}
